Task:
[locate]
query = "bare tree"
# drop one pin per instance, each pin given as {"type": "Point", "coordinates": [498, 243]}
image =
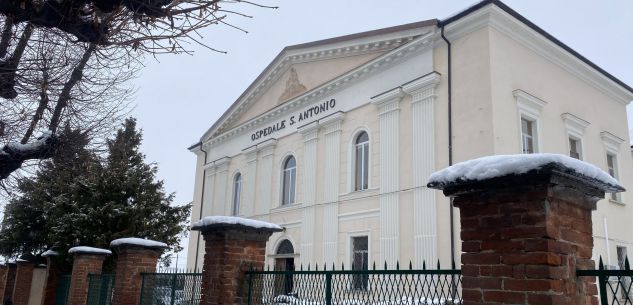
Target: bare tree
{"type": "Point", "coordinates": [69, 62]}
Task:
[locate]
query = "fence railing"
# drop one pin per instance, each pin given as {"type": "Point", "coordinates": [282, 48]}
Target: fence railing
{"type": "Point", "coordinates": [63, 287]}
{"type": "Point", "coordinates": [614, 286]}
{"type": "Point", "coordinates": [355, 287]}
{"type": "Point", "coordinates": [171, 288]}
{"type": "Point", "coordinates": [100, 288]}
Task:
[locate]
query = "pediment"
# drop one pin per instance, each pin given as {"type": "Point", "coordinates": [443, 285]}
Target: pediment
{"type": "Point", "coordinates": [301, 68]}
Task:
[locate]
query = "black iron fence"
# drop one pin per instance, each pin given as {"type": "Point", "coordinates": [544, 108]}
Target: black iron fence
{"type": "Point", "coordinates": [171, 288]}
{"type": "Point", "coordinates": [615, 286]}
{"type": "Point", "coordinates": [355, 287]}
{"type": "Point", "coordinates": [100, 288]}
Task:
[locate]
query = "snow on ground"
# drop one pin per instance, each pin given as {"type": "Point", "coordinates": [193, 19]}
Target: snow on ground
{"type": "Point", "coordinates": [231, 220]}
{"type": "Point", "coordinates": [503, 165]}
{"type": "Point", "coordinates": [134, 241]}
{"type": "Point", "coordinates": [89, 250]}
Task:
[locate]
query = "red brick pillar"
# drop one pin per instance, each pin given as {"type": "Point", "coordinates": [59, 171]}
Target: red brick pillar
{"type": "Point", "coordinates": [23, 279]}
{"type": "Point", "coordinates": [4, 270]}
{"type": "Point", "coordinates": [10, 282]}
{"type": "Point", "coordinates": [524, 235]}
{"type": "Point", "coordinates": [232, 245]}
{"type": "Point", "coordinates": [52, 277]}
{"type": "Point", "coordinates": [86, 260]}
{"type": "Point", "coordinates": [134, 256]}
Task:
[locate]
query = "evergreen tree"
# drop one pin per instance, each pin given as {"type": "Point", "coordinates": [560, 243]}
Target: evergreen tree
{"type": "Point", "coordinates": [79, 198]}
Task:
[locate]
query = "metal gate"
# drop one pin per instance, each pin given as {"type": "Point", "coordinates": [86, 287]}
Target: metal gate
{"type": "Point", "coordinates": [63, 286]}
{"type": "Point", "coordinates": [100, 288]}
{"type": "Point", "coordinates": [171, 288]}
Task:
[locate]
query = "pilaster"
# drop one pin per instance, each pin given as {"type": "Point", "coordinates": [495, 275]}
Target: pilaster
{"type": "Point", "coordinates": [332, 128]}
{"type": "Point", "coordinates": [310, 134]}
{"type": "Point", "coordinates": [388, 105]}
{"type": "Point", "coordinates": [249, 183]}
{"type": "Point", "coordinates": [220, 205]}
{"type": "Point", "coordinates": [266, 151]}
{"type": "Point", "coordinates": [423, 97]}
{"type": "Point", "coordinates": [209, 189]}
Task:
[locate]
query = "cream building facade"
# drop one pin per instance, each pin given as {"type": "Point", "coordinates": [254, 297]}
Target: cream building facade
{"type": "Point", "coordinates": [336, 138]}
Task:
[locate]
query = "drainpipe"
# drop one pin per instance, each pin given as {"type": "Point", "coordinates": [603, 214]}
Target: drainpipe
{"type": "Point", "coordinates": [450, 137]}
{"type": "Point", "coordinates": [204, 176]}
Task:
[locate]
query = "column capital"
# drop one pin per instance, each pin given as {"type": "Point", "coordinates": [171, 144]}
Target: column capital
{"type": "Point", "coordinates": [309, 131]}
{"type": "Point", "coordinates": [423, 87]}
{"type": "Point", "coordinates": [267, 147]}
{"type": "Point", "coordinates": [250, 153]}
{"type": "Point", "coordinates": [332, 122]}
{"type": "Point", "coordinates": [388, 101]}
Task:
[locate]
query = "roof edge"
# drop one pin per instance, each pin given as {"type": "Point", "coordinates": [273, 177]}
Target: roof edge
{"type": "Point", "coordinates": [537, 29]}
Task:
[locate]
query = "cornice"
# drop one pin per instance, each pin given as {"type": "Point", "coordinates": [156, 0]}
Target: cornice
{"type": "Point", "coordinates": [574, 124]}
{"type": "Point", "coordinates": [372, 67]}
{"type": "Point", "coordinates": [500, 20]}
{"type": "Point", "coordinates": [611, 141]}
{"type": "Point", "coordinates": [529, 103]}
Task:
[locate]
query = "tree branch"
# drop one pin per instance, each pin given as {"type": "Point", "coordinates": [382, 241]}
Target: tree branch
{"type": "Point", "coordinates": [64, 96]}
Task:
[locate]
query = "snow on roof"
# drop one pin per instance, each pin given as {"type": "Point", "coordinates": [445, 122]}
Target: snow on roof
{"type": "Point", "coordinates": [19, 260]}
{"type": "Point", "coordinates": [89, 250]}
{"type": "Point", "coordinates": [134, 241]}
{"type": "Point", "coordinates": [50, 253]}
{"type": "Point", "coordinates": [212, 221]}
{"type": "Point", "coordinates": [503, 165]}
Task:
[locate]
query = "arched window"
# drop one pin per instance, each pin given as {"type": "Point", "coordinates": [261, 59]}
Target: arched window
{"type": "Point", "coordinates": [285, 247]}
{"type": "Point", "coordinates": [237, 191]}
{"type": "Point", "coordinates": [361, 162]}
{"type": "Point", "coordinates": [289, 175]}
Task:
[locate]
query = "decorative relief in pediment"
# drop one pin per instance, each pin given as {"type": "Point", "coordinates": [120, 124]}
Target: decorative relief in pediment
{"type": "Point", "coordinates": [294, 87]}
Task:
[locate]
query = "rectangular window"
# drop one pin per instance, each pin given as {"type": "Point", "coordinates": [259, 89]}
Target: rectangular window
{"type": "Point", "coordinates": [612, 163]}
{"type": "Point", "coordinates": [527, 135]}
{"type": "Point", "coordinates": [362, 166]}
{"type": "Point", "coordinates": [574, 148]}
{"type": "Point", "coordinates": [360, 257]}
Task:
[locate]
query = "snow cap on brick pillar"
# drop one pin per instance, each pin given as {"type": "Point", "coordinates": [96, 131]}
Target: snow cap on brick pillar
{"type": "Point", "coordinates": [526, 226]}
{"type": "Point", "coordinates": [4, 270]}
{"type": "Point", "coordinates": [52, 277]}
{"type": "Point", "coordinates": [10, 281]}
{"type": "Point", "coordinates": [23, 280]}
{"type": "Point", "coordinates": [134, 256]}
{"type": "Point", "coordinates": [86, 260]}
{"type": "Point", "coordinates": [232, 245]}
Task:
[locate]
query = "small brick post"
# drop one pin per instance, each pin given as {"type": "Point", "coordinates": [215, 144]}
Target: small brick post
{"type": "Point", "coordinates": [23, 279]}
{"type": "Point", "coordinates": [134, 256]}
{"type": "Point", "coordinates": [86, 260]}
{"type": "Point", "coordinates": [52, 278]}
{"type": "Point", "coordinates": [232, 246]}
{"type": "Point", "coordinates": [4, 270]}
{"type": "Point", "coordinates": [524, 235]}
{"type": "Point", "coordinates": [10, 282]}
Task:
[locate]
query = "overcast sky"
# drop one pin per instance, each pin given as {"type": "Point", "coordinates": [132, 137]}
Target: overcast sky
{"type": "Point", "coordinates": [180, 96]}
